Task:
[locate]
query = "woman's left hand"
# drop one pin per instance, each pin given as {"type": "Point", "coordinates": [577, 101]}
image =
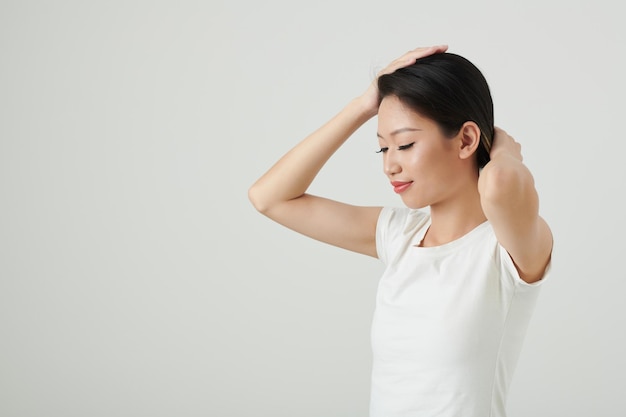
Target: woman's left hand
{"type": "Point", "coordinates": [503, 143]}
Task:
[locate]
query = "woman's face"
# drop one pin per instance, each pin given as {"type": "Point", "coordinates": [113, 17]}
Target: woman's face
{"type": "Point", "coordinates": [422, 165]}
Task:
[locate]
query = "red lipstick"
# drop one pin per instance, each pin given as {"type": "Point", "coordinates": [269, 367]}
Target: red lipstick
{"type": "Point", "coordinates": [400, 186]}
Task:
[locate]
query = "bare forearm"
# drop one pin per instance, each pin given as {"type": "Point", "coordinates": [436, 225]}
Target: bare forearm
{"type": "Point", "coordinates": [290, 177]}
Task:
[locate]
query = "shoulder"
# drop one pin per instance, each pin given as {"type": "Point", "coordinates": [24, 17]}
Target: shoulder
{"type": "Point", "coordinates": [401, 219]}
{"type": "Point", "coordinates": [398, 227]}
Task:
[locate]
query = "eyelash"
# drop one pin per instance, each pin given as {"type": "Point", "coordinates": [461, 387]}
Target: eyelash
{"type": "Point", "coordinates": [400, 148]}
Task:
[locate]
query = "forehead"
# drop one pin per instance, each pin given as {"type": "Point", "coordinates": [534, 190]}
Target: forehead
{"type": "Point", "coordinates": [393, 115]}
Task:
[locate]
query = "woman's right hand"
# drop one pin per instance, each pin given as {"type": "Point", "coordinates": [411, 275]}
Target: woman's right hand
{"type": "Point", "coordinates": [370, 97]}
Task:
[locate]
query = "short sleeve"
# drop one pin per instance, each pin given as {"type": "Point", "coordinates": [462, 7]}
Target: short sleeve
{"type": "Point", "coordinates": [510, 273]}
{"type": "Point", "coordinates": [383, 227]}
{"type": "Point", "coordinates": [396, 230]}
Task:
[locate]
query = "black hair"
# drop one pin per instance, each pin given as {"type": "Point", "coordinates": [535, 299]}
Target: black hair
{"type": "Point", "coordinates": [448, 89]}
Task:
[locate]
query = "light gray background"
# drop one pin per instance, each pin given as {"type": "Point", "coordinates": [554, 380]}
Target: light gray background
{"type": "Point", "coordinates": [137, 280]}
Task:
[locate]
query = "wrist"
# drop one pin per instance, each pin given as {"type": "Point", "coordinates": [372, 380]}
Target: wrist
{"type": "Point", "coordinates": [365, 107]}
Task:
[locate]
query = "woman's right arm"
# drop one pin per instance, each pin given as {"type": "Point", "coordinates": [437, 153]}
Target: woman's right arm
{"type": "Point", "coordinates": [280, 193]}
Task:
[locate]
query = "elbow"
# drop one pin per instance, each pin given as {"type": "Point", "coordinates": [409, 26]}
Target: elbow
{"type": "Point", "coordinates": [256, 198]}
{"type": "Point", "coordinates": [263, 199]}
{"type": "Point", "coordinates": [268, 201]}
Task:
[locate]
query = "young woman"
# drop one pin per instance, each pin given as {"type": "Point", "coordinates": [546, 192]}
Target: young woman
{"type": "Point", "coordinates": [461, 277]}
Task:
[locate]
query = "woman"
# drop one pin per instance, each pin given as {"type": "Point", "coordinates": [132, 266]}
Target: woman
{"type": "Point", "coordinates": [462, 276]}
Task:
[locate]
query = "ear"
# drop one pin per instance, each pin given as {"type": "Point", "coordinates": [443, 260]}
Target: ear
{"type": "Point", "coordinates": [469, 139]}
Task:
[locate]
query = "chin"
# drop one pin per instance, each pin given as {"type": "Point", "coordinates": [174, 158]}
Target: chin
{"type": "Point", "coordinates": [415, 204]}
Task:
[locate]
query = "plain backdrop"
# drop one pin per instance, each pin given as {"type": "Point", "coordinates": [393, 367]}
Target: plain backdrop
{"type": "Point", "coordinates": [136, 279]}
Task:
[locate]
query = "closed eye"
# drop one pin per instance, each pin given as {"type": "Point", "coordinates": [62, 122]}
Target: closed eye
{"type": "Point", "coordinates": [400, 148]}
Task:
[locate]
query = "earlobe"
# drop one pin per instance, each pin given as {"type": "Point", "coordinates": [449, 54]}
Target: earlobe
{"type": "Point", "coordinates": [469, 139]}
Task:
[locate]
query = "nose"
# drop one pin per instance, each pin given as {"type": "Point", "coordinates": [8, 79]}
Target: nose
{"type": "Point", "coordinates": [391, 165]}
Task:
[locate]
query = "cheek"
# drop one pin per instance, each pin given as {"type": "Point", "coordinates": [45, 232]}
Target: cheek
{"type": "Point", "coordinates": [420, 158]}
{"type": "Point", "coordinates": [430, 163]}
{"type": "Point", "coordinates": [443, 152]}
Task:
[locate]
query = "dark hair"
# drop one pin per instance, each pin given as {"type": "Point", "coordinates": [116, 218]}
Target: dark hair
{"type": "Point", "coordinates": [448, 89]}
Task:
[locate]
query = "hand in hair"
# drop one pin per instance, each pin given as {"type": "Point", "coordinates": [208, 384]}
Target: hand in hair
{"type": "Point", "coordinates": [505, 144]}
{"type": "Point", "coordinates": [371, 94]}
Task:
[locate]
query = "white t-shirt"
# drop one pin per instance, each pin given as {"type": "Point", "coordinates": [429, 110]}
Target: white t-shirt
{"type": "Point", "coordinates": [449, 322]}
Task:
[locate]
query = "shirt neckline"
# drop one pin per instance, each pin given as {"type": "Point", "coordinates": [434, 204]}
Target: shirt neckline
{"type": "Point", "coordinates": [450, 246]}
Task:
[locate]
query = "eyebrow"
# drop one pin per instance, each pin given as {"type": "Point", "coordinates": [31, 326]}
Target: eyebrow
{"type": "Point", "coordinates": [401, 130]}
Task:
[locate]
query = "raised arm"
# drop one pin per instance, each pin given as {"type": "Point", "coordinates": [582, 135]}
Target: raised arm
{"type": "Point", "coordinates": [510, 202]}
{"type": "Point", "coordinates": [280, 193]}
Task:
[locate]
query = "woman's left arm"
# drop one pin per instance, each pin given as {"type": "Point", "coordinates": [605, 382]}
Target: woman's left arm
{"type": "Point", "coordinates": [511, 204]}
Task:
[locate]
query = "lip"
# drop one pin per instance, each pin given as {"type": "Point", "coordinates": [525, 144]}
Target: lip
{"type": "Point", "coordinates": [400, 186]}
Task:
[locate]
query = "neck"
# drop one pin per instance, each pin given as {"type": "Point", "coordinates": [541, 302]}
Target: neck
{"type": "Point", "coordinates": [455, 217]}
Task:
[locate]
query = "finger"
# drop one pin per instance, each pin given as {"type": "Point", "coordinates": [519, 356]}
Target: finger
{"type": "Point", "coordinates": [428, 50]}
{"type": "Point", "coordinates": [413, 55]}
{"type": "Point", "coordinates": [499, 132]}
